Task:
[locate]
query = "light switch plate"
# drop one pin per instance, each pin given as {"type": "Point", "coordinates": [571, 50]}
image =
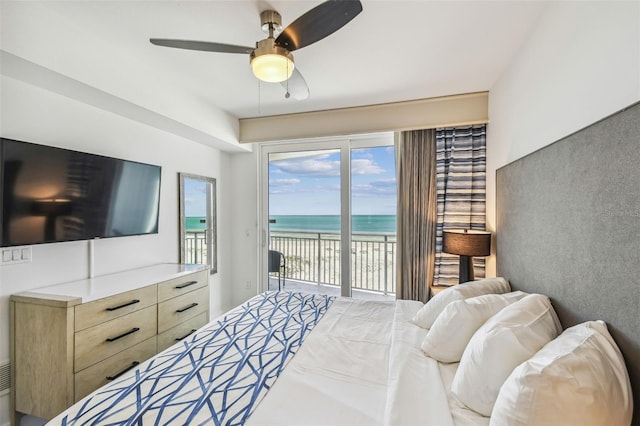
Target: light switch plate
{"type": "Point", "coordinates": [14, 255]}
{"type": "Point", "coordinates": [26, 254]}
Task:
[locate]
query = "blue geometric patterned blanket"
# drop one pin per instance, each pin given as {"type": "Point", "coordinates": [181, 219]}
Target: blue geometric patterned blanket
{"type": "Point", "coordinates": [217, 375]}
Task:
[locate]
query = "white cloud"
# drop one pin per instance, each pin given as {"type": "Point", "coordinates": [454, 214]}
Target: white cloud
{"type": "Point", "coordinates": [365, 166]}
{"type": "Point", "coordinates": [375, 188]}
{"type": "Point", "coordinates": [389, 181]}
{"type": "Point", "coordinates": [283, 182]}
{"type": "Point", "coordinates": [361, 153]}
{"type": "Point", "coordinates": [282, 186]}
{"type": "Point", "coordinates": [320, 166]}
{"type": "Point", "coordinates": [310, 167]}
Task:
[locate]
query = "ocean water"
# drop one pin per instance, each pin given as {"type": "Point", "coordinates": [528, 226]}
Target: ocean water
{"type": "Point", "coordinates": [196, 223]}
{"type": "Point", "coordinates": [359, 223]}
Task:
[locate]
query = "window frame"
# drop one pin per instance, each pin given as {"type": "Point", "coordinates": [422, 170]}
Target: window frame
{"type": "Point", "coordinates": [211, 228]}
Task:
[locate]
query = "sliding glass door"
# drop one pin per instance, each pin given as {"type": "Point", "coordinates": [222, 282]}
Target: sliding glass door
{"type": "Point", "coordinates": [311, 240]}
{"type": "Point", "coordinates": [373, 220]}
{"type": "Point", "coordinates": [304, 219]}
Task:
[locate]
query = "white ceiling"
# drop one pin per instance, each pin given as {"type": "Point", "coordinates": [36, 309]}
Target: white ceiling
{"type": "Point", "coordinates": [393, 51]}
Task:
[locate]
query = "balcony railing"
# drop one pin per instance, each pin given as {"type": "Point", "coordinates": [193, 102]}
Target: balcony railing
{"type": "Point", "coordinates": [315, 257]}
{"type": "Point", "coordinates": [195, 247]}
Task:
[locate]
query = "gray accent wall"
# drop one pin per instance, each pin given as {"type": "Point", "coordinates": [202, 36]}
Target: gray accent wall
{"type": "Point", "coordinates": [568, 226]}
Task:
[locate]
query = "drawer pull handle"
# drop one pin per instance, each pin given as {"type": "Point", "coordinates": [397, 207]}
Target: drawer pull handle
{"type": "Point", "coordinates": [120, 373]}
{"type": "Point", "coordinates": [187, 284]}
{"type": "Point", "coordinates": [186, 308]}
{"type": "Point", "coordinates": [113, 339]}
{"type": "Point", "coordinates": [115, 308]}
{"type": "Point", "coordinates": [186, 335]}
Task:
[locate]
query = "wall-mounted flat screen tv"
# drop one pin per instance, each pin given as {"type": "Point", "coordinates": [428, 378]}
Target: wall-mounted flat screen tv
{"type": "Point", "coordinates": [51, 195]}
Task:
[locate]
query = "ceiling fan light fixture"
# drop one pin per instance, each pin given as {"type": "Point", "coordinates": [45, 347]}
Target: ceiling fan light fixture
{"type": "Point", "coordinates": [272, 68]}
{"type": "Point", "coordinates": [271, 63]}
{"type": "Point", "coordinates": [271, 60]}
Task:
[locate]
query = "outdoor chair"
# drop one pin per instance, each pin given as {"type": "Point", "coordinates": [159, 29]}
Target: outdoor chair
{"type": "Point", "coordinates": [277, 263]}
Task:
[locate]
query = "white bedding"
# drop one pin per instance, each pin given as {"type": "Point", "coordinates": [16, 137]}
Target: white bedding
{"type": "Point", "coordinates": [339, 375]}
{"type": "Point", "coordinates": [461, 415]}
{"type": "Point", "coordinates": [361, 365]}
{"type": "Point", "coordinates": [415, 394]}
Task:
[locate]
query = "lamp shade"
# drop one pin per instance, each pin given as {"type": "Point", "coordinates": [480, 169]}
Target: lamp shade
{"type": "Point", "coordinates": [271, 63]}
{"type": "Point", "coordinates": [51, 207]}
{"type": "Point", "coordinates": [467, 242]}
{"type": "Point", "coordinates": [272, 68]}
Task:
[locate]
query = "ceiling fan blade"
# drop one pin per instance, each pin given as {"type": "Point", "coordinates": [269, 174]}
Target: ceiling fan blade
{"type": "Point", "coordinates": [318, 23]}
{"type": "Point", "coordinates": [296, 86]}
{"type": "Point", "coordinates": [206, 46]}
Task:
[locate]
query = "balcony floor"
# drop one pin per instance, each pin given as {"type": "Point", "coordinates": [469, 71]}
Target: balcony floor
{"type": "Point", "coordinates": [307, 287]}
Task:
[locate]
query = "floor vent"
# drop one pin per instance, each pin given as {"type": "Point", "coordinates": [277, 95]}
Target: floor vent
{"type": "Point", "coordinates": [5, 377]}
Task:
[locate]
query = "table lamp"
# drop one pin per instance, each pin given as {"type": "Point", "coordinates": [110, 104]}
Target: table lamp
{"type": "Point", "coordinates": [466, 243]}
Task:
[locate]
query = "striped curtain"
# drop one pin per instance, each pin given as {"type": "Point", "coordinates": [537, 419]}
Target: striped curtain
{"type": "Point", "coordinates": [460, 181]}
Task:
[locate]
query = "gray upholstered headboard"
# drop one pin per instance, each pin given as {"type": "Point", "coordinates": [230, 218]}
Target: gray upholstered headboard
{"type": "Point", "coordinates": [568, 226]}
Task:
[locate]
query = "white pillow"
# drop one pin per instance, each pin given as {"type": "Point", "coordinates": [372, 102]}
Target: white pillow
{"type": "Point", "coordinates": [430, 311]}
{"type": "Point", "coordinates": [506, 340]}
{"type": "Point", "coordinates": [577, 379]}
{"type": "Point", "coordinates": [455, 326]}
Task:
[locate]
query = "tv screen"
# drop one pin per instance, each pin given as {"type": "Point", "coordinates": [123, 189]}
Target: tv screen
{"type": "Point", "coordinates": [52, 194]}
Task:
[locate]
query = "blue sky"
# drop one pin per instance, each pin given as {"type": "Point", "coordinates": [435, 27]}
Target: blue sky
{"type": "Point", "coordinates": [310, 185]}
{"type": "Point", "coordinates": [195, 198]}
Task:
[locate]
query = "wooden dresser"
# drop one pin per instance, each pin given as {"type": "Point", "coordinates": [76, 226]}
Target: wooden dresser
{"type": "Point", "coordinates": [68, 340]}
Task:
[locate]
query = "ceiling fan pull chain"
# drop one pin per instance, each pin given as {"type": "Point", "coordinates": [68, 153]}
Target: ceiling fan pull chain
{"type": "Point", "coordinates": [287, 95]}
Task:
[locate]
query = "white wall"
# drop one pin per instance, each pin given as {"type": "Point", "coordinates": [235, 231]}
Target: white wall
{"type": "Point", "coordinates": [32, 31]}
{"type": "Point", "coordinates": [244, 205]}
{"type": "Point", "coordinates": [33, 114]}
{"type": "Point", "coordinates": [580, 64]}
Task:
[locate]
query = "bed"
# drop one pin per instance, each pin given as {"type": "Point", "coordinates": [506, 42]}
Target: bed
{"type": "Point", "coordinates": [357, 358]}
{"type": "Point", "coordinates": [568, 238]}
{"type": "Point", "coordinates": [286, 358]}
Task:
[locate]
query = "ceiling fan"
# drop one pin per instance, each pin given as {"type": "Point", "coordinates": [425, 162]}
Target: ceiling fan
{"type": "Point", "coordinates": [271, 59]}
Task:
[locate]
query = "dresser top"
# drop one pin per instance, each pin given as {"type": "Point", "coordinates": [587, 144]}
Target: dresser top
{"type": "Point", "coordinates": [90, 289]}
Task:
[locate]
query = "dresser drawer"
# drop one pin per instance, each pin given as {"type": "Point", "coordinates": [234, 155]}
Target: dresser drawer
{"type": "Point", "coordinates": [102, 310]}
{"type": "Point", "coordinates": [181, 331]}
{"type": "Point", "coordinates": [179, 309]}
{"type": "Point", "coordinates": [182, 285]}
{"type": "Point", "coordinates": [90, 379]}
{"type": "Point", "coordinates": [104, 340]}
